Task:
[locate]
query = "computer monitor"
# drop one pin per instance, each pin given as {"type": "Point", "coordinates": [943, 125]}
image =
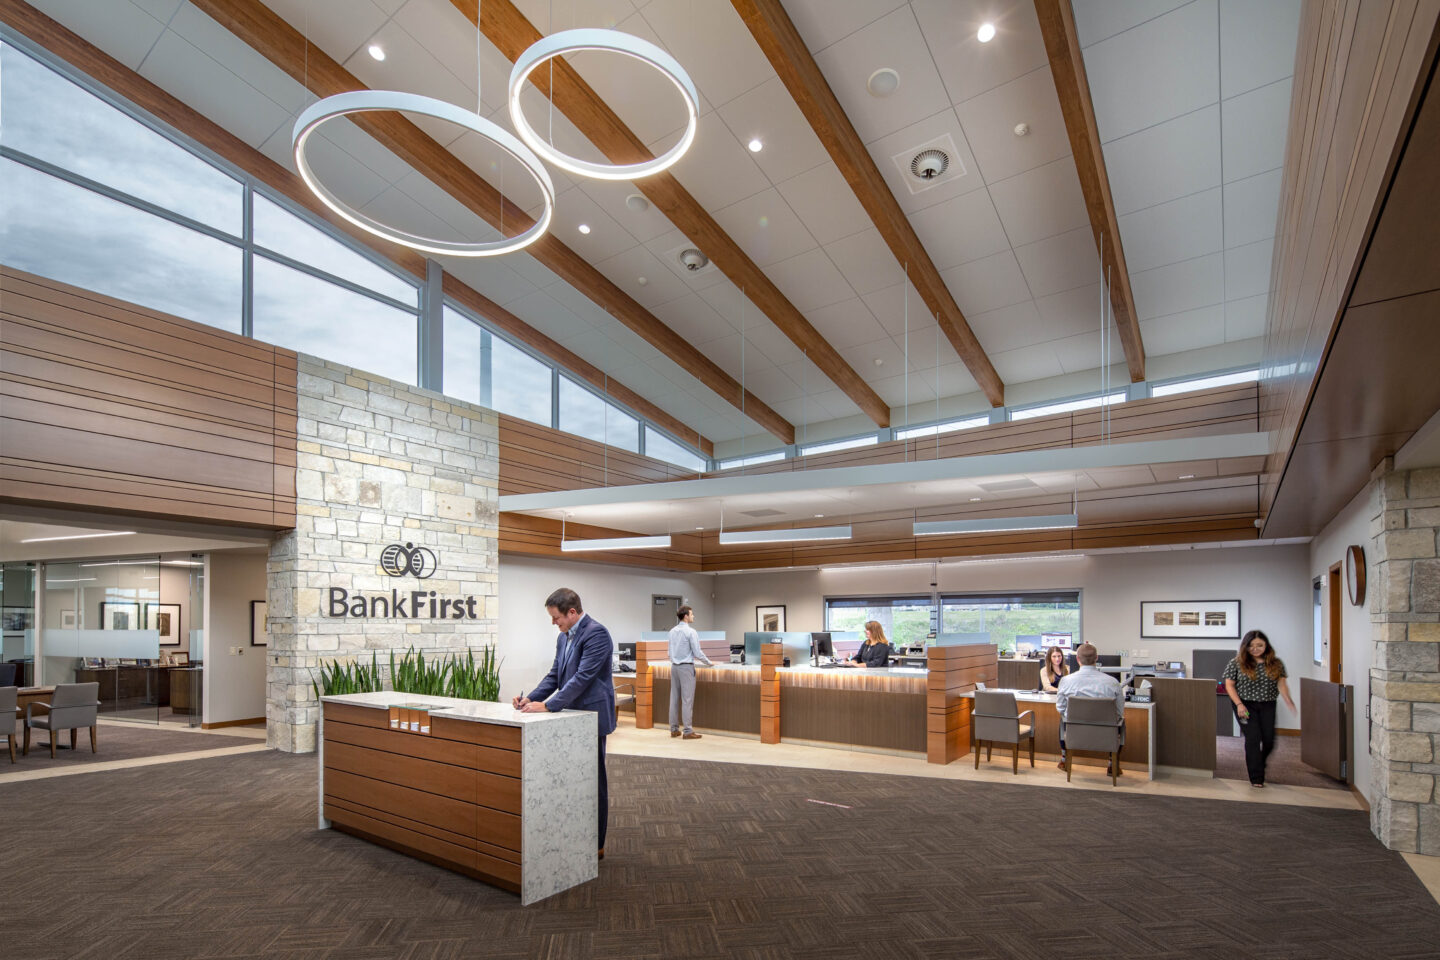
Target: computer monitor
{"type": "Point", "coordinates": [1109, 660]}
{"type": "Point", "coordinates": [627, 652]}
{"type": "Point", "coordinates": [821, 646]}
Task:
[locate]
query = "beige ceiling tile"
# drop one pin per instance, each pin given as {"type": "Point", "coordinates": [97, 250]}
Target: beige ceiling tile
{"type": "Point", "coordinates": [823, 22]}
{"type": "Point", "coordinates": [969, 67]}
{"type": "Point", "coordinates": [1018, 325]}
{"type": "Point", "coordinates": [987, 284]}
{"type": "Point", "coordinates": [989, 121]}
{"type": "Point", "coordinates": [1027, 363]}
{"type": "Point", "coordinates": [1165, 161]}
{"type": "Point", "coordinates": [825, 203]}
{"type": "Point", "coordinates": [1245, 318]}
{"type": "Point", "coordinates": [1251, 208]}
{"type": "Point", "coordinates": [1182, 286]}
{"type": "Point", "coordinates": [712, 43]}
{"type": "Point", "coordinates": [1257, 43]}
{"type": "Point", "coordinates": [865, 261]}
{"type": "Point", "coordinates": [765, 228]}
{"type": "Point", "coordinates": [192, 75]}
{"type": "Point", "coordinates": [717, 169]}
{"type": "Point", "coordinates": [767, 113]}
{"type": "Point", "coordinates": [1097, 20]}
{"type": "Point", "coordinates": [1254, 125]}
{"type": "Point", "coordinates": [810, 281]}
{"type": "Point", "coordinates": [904, 144]}
{"type": "Point", "coordinates": [1178, 332]}
{"type": "Point", "coordinates": [1040, 203]}
{"type": "Point", "coordinates": [1060, 263]}
{"type": "Point", "coordinates": [1071, 312]}
{"type": "Point", "coordinates": [960, 230]}
{"type": "Point", "coordinates": [846, 323]}
{"type": "Point", "coordinates": [1170, 232]}
{"type": "Point", "coordinates": [123, 30]}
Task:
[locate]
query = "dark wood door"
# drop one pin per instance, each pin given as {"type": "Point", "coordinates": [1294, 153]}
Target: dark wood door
{"type": "Point", "coordinates": [1326, 734]}
{"type": "Point", "coordinates": [1337, 637]}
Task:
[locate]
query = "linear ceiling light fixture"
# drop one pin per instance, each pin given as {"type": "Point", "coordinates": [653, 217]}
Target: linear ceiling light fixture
{"type": "Point", "coordinates": [80, 536]}
{"type": "Point", "coordinates": [1057, 521]}
{"type": "Point", "coordinates": [616, 543]}
{"type": "Point", "coordinates": [362, 101]}
{"type": "Point", "coordinates": [609, 41]}
{"type": "Point", "coordinates": [785, 536]}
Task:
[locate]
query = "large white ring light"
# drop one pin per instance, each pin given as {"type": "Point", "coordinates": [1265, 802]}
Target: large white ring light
{"type": "Point", "coordinates": [361, 101]}
{"type": "Point", "coordinates": [610, 41]}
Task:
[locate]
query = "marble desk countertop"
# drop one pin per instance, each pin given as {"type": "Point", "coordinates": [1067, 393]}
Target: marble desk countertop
{"type": "Point", "coordinates": [480, 711]}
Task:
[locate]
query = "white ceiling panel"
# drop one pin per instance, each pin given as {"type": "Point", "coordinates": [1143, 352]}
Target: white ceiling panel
{"type": "Point", "coordinates": [823, 22]}
{"type": "Point", "coordinates": [1250, 208]}
{"type": "Point", "coordinates": [825, 203]}
{"type": "Point", "coordinates": [807, 376]}
{"type": "Point", "coordinates": [1181, 286]}
{"type": "Point", "coordinates": [490, 277]}
{"type": "Point", "coordinates": [955, 380]}
{"type": "Point", "coordinates": [1169, 232]}
{"type": "Point", "coordinates": [360, 145]}
{"type": "Point", "coordinates": [1060, 263]}
{"type": "Point", "coordinates": [893, 41]}
{"type": "Point", "coordinates": [235, 55]}
{"type": "Point", "coordinates": [196, 78]}
{"type": "Point", "coordinates": [625, 270]}
{"type": "Point", "coordinates": [691, 317]}
{"type": "Point", "coordinates": [1184, 331]}
{"type": "Point", "coordinates": [987, 284]}
{"type": "Point", "coordinates": [1247, 270]}
{"type": "Point", "coordinates": [1071, 312]}
{"type": "Point", "coordinates": [544, 313]}
{"type": "Point", "coordinates": [905, 143]}
{"type": "Point", "coordinates": [900, 393]}
{"type": "Point", "coordinates": [410, 206]}
{"type": "Point", "coordinates": [339, 27]}
{"type": "Point", "coordinates": [1257, 43]}
{"type": "Point", "coordinates": [1082, 352]}
{"type": "Point", "coordinates": [713, 43]}
{"type": "Point", "coordinates": [120, 28]}
{"type": "Point", "coordinates": [1095, 20]}
{"type": "Point", "coordinates": [960, 230]}
{"type": "Point", "coordinates": [1245, 319]}
{"type": "Point", "coordinates": [777, 348]}
{"type": "Point", "coordinates": [574, 13]}
{"type": "Point", "coordinates": [1166, 161]}
{"type": "Point", "coordinates": [810, 281]}
{"type": "Point", "coordinates": [725, 350]}
{"type": "Point", "coordinates": [1040, 203]}
{"type": "Point", "coordinates": [668, 247]}
{"type": "Point", "coordinates": [410, 66]}
{"type": "Point", "coordinates": [898, 308]}
{"type": "Point", "coordinates": [846, 323]}
{"type": "Point", "coordinates": [773, 384]}
{"type": "Point", "coordinates": [1009, 327]}
{"type": "Point", "coordinates": [1028, 363]}
{"type": "Point", "coordinates": [644, 225]}
{"type": "Point", "coordinates": [450, 37]}
{"type": "Point", "coordinates": [768, 114]}
{"type": "Point", "coordinates": [989, 121]}
{"type": "Point", "coordinates": [862, 357]}
{"type": "Point", "coordinates": [344, 175]}
{"type": "Point", "coordinates": [606, 237]}
{"type": "Point", "coordinates": [968, 67]}
{"type": "Point", "coordinates": [1254, 126]}
{"type": "Point", "coordinates": [765, 228]}
{"type": "Point", "coordinates": [717, 169]}
{"type": "Point", "coordinates": [1175, 59]}
{"type": "Point", "coordinates": [651, 107]}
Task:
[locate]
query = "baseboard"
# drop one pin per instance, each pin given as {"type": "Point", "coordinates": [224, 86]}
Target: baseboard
{"type": "Point", "coordinates": [1286, 732]}
{"type": "Point", "coordinates": [1364, 804]}
{"type": "Point", "coordinates": [232, 723]}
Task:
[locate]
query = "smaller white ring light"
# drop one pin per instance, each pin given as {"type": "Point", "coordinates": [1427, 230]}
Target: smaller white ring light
{"type": "Point", "coordinates": [361, 101]}
{"type": "Point", "coordinates": [610, 41]}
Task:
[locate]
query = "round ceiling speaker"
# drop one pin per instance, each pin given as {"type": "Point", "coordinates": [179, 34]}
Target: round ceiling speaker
{"type": "Point", "coordinates": [883, 82]}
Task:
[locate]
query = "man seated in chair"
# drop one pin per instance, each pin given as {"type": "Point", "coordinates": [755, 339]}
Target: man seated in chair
{"type": "Point", "coordinates": [1088, 681]}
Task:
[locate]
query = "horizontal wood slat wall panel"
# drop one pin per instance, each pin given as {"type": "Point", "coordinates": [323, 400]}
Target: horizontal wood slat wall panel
{"type": "Point", "coordinates": [538, 459]}
{"type": "Point", "coordinates": [107, 406]}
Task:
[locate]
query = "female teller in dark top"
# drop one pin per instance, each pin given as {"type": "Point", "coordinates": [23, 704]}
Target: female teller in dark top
{"type": "Point", "coordinates": [1254, 679]}
{"type": "Point", "coordinates": [1053, 669]}
{"type": "Point", "coordinates": [876, 650]}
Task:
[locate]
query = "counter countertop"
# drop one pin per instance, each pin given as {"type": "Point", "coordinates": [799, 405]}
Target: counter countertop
{"type": "Point", "coordinates": [479, 711]}
{"type": "Point", "coordinates": [810, 668]}
{"type": "Point", "coordinates": [1030, 696]}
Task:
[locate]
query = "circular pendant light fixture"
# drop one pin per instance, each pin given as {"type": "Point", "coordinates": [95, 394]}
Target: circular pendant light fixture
{"type": "Point", "coordinates": [362, 101]}
{"type": "Point", "coordinates": [609, 41]}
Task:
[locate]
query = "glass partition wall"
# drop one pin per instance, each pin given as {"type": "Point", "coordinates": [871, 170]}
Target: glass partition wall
{"type": "Point", "coordinates": [17, 622]}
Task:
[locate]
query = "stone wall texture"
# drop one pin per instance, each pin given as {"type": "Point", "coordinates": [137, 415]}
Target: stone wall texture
{"type": "Point", "coordinates": [378, 463]}
{"type": "Point", "coordinates": [1405, 670]}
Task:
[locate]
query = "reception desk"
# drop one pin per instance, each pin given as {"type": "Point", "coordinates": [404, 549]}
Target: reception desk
{"type": "Point", "coordinates": [1139, 749]}
{"type": "Point", "coordinates": [476, 787]}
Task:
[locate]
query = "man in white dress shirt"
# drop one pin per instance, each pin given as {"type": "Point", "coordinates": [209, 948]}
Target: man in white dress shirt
{"type": "Point", "coordinates": [1088, 681]}
{"type": "Point", "coordinates": [684, 653]}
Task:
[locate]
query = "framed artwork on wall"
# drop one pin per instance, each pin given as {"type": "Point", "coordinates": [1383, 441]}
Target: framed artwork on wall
{"type": "Point", "coordinates": [120, 615]}
{"type": "Point", "coordinates": [165, 618]}
{"type": "Point", "coordinates": [259, 624]}
{"type": "Point", "coordinates": [68, 620]}
{"type": "Point", "coordinates": [770, 619]}
{"type": "Point", "coordinates": [1190, 619]}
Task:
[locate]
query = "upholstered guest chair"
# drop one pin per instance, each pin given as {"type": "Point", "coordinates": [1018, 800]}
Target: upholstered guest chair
{"type": "Point", "coordinates": [71, 707]}
{"type": "Point", "coordinates": [9, 714]}
{"type": "Point", "coordinates": [995, 720]}
{"type": "Point", "coordinates": [7, 675]}
{"type": "Point", "coordinates": [1091, 726]}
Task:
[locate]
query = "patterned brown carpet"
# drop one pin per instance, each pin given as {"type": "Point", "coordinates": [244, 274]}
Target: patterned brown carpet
{"type": "Point", "coordinates": [115, 742]}
{"type": "Point", "coordinates": [220, 859]}
{"type": "Point", "coordinates": [1283, 766]}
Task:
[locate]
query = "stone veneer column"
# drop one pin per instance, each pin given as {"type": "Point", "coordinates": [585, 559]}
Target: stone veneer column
{"type": "Point", "coordinates": [1405, 669]}
{"type": "Point", "coordinates": [378, 463]}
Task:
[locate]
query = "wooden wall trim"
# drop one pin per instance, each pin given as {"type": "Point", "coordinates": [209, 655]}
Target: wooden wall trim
{"type": "Point", "coordinates": [954, 670]}
{"type": "Point", "coordinates": [108, 406]}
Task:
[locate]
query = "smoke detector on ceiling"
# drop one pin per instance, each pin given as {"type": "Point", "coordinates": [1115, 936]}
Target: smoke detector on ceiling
{"type": "Point", "coordinates": [927, 165]}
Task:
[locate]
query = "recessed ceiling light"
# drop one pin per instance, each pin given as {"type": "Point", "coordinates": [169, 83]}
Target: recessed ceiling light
{"type": "Point", "coordinates": [755, 145]}
{"type": "Point", "coordinates": [975, 499]}
{"type": "Point", "coordinates": [584, 228]}
{"type": "Point", "coordinates": [80, 536]}
{"type": "Point", "coordinates": [883, 82]}
{"type": "Point", "coordinates": [1187, 476]}
{"type": "Point", "coordinates": [879, 361]}
{"type": "Point", "coordinates": [376, 51]}
{"type": "Point", "coordinates": [641, 280]}
{"type": "Point", "coordinates": [819, 516]}
{"type": "Point", "coordinates": [986, 33]}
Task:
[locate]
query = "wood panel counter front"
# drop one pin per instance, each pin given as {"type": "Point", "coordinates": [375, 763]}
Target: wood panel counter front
{"type": "Point", "coordinates": [478, 788]}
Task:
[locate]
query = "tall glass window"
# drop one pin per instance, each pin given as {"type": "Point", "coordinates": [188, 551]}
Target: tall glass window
{"type": "Point", "coordinates": [295, 310]}
{"type": "Point", "coordinates": [906, 620]}
{"type": "Point", "coordinates": [55, 229]}
{"type": "Point", "coordinates": [661, 447]}
{"type": "Point", "coordinates": [519, 384]}
{"type": "Point", "coordinates": [1010, 619]}
{"type": "Point", "coordinates": [463, 345]}
{"type": "Point", "coordinates": [281, 231]}
{"type": "Point", "coordinates": [587, 415]}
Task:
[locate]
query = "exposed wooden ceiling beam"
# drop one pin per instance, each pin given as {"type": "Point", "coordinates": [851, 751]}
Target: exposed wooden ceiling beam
{"type": "Point", "coordinates": [158, 103]}
{"type": "Point", "coordinates": [772, 28]}
{"type": "Point", "coordinates": [512, 33]}
{"type": "Point", "coordinates": [270, 35]}
{"type": "Point", "coordinates": [1057, 23]}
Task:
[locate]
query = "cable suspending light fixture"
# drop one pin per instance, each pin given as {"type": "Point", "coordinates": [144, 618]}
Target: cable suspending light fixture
{"type": "Point", "coordinates": [610, 41]}
{"type": "Point", "coordinates": [362, 101]}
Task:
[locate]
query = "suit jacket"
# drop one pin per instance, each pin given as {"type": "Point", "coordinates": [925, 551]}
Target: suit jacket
{"type": "Point", "coordinates": [586, 681]}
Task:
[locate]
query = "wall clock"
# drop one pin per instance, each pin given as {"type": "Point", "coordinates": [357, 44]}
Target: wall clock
{"type": "Point", "coordinates": [1355, 574]}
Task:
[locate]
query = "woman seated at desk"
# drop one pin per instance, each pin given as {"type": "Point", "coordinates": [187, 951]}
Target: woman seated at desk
{"type": "Point", "coordinates": [875, 652]}
{"type": "Point", "coordinates": [1054, 668]}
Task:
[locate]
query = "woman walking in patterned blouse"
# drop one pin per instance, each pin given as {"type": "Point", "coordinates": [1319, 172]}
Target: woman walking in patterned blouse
{"type": "Point", "coordinates": [1254, 680]}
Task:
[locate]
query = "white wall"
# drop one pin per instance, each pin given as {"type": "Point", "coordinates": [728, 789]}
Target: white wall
{"type": "Point", "coordinates": [1271, 584]}
{"type": "Point", "coordinates": [234, 683]}
{"type": "Point", "coordinates": [1350, 526]}
{"type": "Point", "coordinates": [618, 597]}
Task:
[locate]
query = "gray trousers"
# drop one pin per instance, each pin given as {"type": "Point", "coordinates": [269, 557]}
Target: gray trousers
{"type": "Point", "coordinates": [682, 695]}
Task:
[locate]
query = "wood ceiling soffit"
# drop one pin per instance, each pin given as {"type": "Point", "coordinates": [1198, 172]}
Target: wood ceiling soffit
{"type": "Point", "coordinates": [773, 30]}
{"type": "Point", "coordinates": [275, 39]}
{"type": "Point", "coordinates": [114, 75]}
{"type": "Point", "coordinates": [509, 30]}
{"type": "Point", "coordinates": [1057, 24]}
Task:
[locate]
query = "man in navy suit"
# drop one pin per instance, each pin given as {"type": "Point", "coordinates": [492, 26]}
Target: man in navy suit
{"type": "Point", "coordinates": [579, 679]}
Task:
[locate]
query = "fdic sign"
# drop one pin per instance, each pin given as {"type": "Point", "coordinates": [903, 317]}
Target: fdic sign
{"type": "Point", "coordinates": [403, 560]}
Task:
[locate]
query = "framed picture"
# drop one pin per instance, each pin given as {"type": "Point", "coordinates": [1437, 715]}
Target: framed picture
{"type": "Point", "coordinates": [165, 619]}
{"type": "Point", "coordinates": [16, 619]}
{"type": "Point", "coordinates": [259, 624]}
{"type": "Point", "coordinates": [770, 619]}
{"type": "Point", "coordinates": [120, 615]}
{"type": "Point", "coordinates": [180, 658]}
{"type": "Point", "coordinates": [1190, 619]}
{"type": "Point", "coordinates": [68, 620]}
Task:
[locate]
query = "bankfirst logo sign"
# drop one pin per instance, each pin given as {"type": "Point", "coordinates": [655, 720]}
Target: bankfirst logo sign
{"type": "Point", "coordinates": [402, 560]}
